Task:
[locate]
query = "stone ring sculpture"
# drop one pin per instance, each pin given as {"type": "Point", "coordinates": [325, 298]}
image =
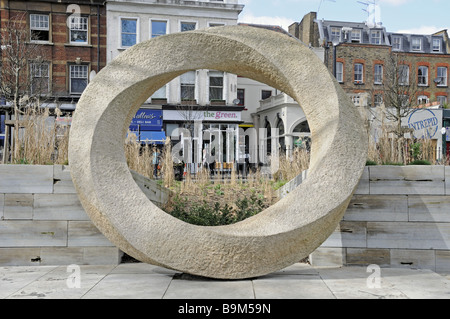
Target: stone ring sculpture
{"type": "Point", "coordinates": [276, 238]}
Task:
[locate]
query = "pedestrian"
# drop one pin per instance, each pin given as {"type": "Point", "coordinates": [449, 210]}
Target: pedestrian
{"type": "Point", "coordinates": [155, 161]}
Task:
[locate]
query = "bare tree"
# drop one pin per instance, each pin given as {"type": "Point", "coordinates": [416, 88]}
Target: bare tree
{"type": "Point", "coordinates": [400, 89]}
{"type": "Point", "coordinates": [24, 75]}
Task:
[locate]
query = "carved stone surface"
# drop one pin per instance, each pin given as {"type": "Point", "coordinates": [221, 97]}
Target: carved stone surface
{"type": "Point", "coordinates": [277, 237]}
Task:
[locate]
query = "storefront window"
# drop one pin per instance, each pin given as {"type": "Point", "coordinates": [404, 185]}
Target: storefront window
{"type": "Point", "coordinates": [221, 141]}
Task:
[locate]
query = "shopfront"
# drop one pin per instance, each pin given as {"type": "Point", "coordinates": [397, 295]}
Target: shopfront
{"type": "Point", "coordinates": [205, 138]}
{"type": "Point", "coordinates": [147, 124]}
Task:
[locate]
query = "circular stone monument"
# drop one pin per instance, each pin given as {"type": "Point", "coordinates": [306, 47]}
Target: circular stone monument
{"type": "Point", "coordinates": [278, 237]}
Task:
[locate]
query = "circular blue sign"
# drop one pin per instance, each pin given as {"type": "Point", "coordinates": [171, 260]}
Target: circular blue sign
{"type": "Point", "coordinates": [424, 123]}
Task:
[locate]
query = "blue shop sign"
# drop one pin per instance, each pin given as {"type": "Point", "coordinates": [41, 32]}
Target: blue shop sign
{"type": "Point", "coordinates": [147, 120]}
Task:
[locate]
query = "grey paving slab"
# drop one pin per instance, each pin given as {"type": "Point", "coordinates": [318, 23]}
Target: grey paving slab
{"type": "Point", "coordinates": [12, 279]}
{"type": "Point", "coordinates": [358, 283]}
{"type": "Point", "coordinates": [209, 289]}
{"type": "Point", "coordinates": [142, 268]}
{"type": "Point", "coordinates": [130, 286]}
{"type": "Point", "coordinates": [61, 283]}
{"type": "Point", "coordinates": [297, 269]}
{"type": "Point", "coordinates": [292, 287]}
{"type": "Point", "coordinates": [418, 284]}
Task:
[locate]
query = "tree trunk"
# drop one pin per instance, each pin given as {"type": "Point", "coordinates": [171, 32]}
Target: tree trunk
{"type": "Point", "coordinates": [15, 153]}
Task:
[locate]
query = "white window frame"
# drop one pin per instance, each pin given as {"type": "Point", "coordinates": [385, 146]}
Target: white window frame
{"type": "Point", "coordinates": [340, 72]}
{"type": "Point", "coordinates": [442, 99]}
{"type": "Point", "coordinates": [211, 73]}
{"type": "Point", "coordinates": [423, 67]}
{"type": "Point", "coordinates": [415, 48]}
{"type": "Point", "coordinates": [161, 93]}
{"type": "Point", "coordinates": [34, 75]}
{"type": "Point", "coordinates": [70, 77]}
{"type": "Point", "coordinates": [433, 47]}
{"type": "Point", "coordinates": [444, 76]}
{"type": "Point", "coordinates": [400, 43]}
{"type": "Point", "coordinates": [378, 100]}
{"type": "Point", "coordinates": [356, 99]}
{"type": "Point", "coordinates": [378, 40]}
{"type": "Point", "coordinates": [333, 33]}
{"type": "Point", "coordinates": [355, 39]}
{"type": "Point", "coordinates": [78, 23]}
{"type": "Point", "coordinates": [425, 99]}
{"type": "Point", "coordinates": [158, 20]}
{"type": "Point", "coordinates": [40, 28]}
{"type": "Point", "coordinates": [402, 76]}
{"type": "Point", "coordinates": [137, 30]}
{"type": "Point", "coordinates": [194, 84]}
{"type": "Point", "coordinates": [378, 74]}
{"type": "Point", "coordinates": [180, 22]}
{"type": "Point", "coordinates": [360, 73]}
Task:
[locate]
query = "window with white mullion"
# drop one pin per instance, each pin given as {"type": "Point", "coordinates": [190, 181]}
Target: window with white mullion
{"type": "Point", "coordinates": [216, 85]}
{"type": "Point", "coordinates": [359, 73]}
{"type": "Point", "coordinates": [40, 27]}
{"type": "Point", "coordinates": [442, 76]}
{"type": "Point", "coordinates": [79, 29]}
{"type": "Point", "coordinates": [78, 78]}
{"type": "Point", "coordinates": [39, 73]}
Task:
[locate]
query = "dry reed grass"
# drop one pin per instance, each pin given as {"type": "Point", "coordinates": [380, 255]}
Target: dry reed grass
{"type": "Point", "coordinates": [400, 151]}
{"type": "Point", "coordinates": [290, 167]}
{"type": "Point", "coordinates": [138, 156]}
{"type": "Point", "coordinates": [42, 139]}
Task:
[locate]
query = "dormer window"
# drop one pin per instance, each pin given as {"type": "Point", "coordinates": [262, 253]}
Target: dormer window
{"type": "Point", "coordinates": [356, 36]}
{"type": "Point", "coordinates": [336, 34]}
{"type": "Point", "coordinates": [375, 37]}
{"type": "Point", "coordinates": [437, 43]}
{"type": "Point", "coordinates": [397, 43]}
{"type": "Point", "coordinates": [416, 44]}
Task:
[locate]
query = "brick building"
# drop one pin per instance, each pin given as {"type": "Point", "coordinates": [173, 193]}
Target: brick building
{"type": "Point", "coordinates": [359, 56]}
{"type": "Point", "coordinates": [72, 39]}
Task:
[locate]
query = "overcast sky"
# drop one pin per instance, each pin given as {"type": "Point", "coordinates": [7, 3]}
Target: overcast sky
{"type": "Point", "coordinates": [407, 16]}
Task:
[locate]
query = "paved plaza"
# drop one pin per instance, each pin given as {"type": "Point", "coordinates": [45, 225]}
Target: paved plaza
{"type": "Point", "coordinates": [143, 281]}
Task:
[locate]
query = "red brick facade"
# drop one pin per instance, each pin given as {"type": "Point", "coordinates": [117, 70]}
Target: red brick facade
{"type": "Point", "coordinates": [348, 53]}
{"type": "Point", "coordinates": [59, 49]}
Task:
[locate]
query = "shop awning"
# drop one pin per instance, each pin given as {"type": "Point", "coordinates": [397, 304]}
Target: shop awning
{"type": "Point", "coordinates": [152, 137]}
